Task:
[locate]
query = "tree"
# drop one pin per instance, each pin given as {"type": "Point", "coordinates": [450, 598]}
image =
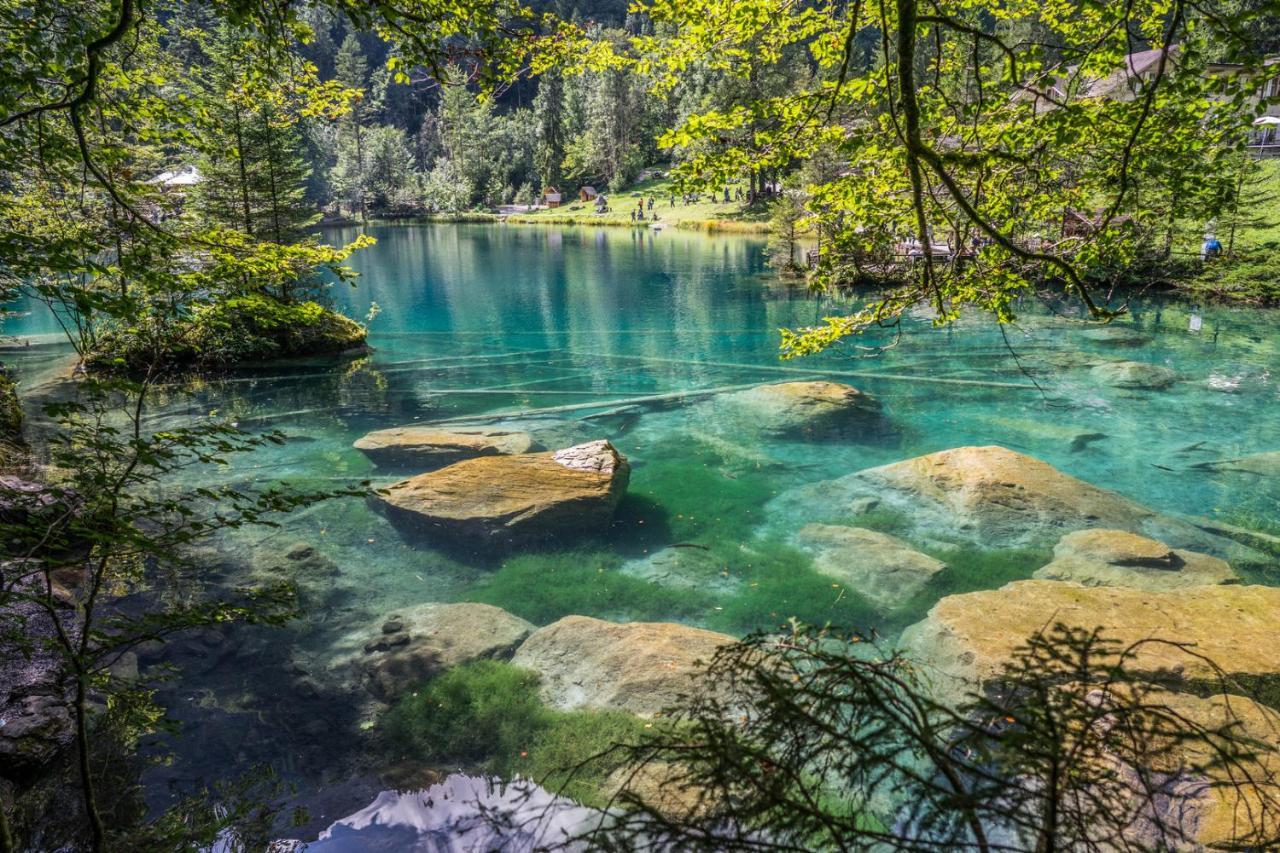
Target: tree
{"type": "Point", "coordinates": [548, 110]}
{"type": "Point", "coordinates": [392, 183]}
{"type": "Point", "coordinates": [350, 178]}
{"type": "Point", "coordinates": [92, 107]}
{"type": "Point", "coordinates": [445, 188]}
{"type": "Point", "coordinates": [786, 214]}
{"type": "Point", "coordinates": [955, 134]}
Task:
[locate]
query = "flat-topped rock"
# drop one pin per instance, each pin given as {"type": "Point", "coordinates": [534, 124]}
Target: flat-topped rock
{"type": "Point", "coordinates": [803, 409]}
{"type": "Point", "coordinates": [1118, 558]}
{"type": "Point", "coordinates": [1133, 374]}
{"type": "Point", "coordinates": [640, 667]}
{"type": "Point", "coordinates": [966, 639]}
{"type": "Point", "coordinates": [881, 568]}
{"type": "Point", "coordinates": [428, 447]}
{"type": "Point", "coordinates": [400, 650]}
{"type": "Point", "coordinates": [990, 497]}
{"type": "Point", "coordinates": [503, 500]}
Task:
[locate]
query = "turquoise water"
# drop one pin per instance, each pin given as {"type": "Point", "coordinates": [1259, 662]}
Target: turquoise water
{"type": "Point", "coordinates": [483, 319]}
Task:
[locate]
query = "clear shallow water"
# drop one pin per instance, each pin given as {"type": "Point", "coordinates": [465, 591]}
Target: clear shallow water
{"type": "Point", "coordinates": [478, 319]}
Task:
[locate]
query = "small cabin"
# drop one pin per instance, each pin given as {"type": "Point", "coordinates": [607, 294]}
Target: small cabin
{"type": "Point", "coordinates": [551, 197]}
{"type": "Point", "coordinates": [587, 194]}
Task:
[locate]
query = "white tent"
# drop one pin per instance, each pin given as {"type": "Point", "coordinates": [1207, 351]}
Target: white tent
{"type": "Point", "coordinates": [185, 176]}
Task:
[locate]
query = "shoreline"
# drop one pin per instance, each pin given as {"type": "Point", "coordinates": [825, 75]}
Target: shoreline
{"type": "Point", "coordinates": [711, 226]}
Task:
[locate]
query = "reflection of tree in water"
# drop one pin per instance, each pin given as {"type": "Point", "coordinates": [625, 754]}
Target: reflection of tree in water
{"type": "Point", "coordinates": [315, 394]}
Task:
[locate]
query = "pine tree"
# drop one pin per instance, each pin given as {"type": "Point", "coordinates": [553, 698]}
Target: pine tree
{"type": "Point", "coordinates": [283, 212]}
{"type": "Point", "coordinates": [548, 108]}
{"type": "Point", "coordinates": [227, 168]}
{"type": "Point", "coordinates": [350, 178]}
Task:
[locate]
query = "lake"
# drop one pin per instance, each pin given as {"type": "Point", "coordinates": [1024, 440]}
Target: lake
{"type": "Point", "coordinates": [561, 330]}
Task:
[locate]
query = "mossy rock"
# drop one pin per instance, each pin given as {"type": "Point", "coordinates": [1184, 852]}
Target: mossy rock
{"type": "Point", "coordinates": [242, 330]}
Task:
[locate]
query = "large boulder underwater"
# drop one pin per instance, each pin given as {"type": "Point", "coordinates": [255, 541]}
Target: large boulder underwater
{"type": "Point", "coordinates": [808, 410]}
{"type": "Point", "coordinates": [989, 497]}
{"type": "Point", "coordinates": [519, 499]}
{"type": "Point", "coordinates": [885, 570]}
{"type": "Point", "coordinates": [1100, 557]}
{"type": "Point", "coordinates": [398, 651]}
{"type": "Point", "coordinates": [640, 667]}
{"type": "Point", "coordinates": [966, 638]}
{"type": "Point", "coordinates": [1133, 375]}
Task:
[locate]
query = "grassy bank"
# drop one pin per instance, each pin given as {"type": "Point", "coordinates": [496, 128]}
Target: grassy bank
{"type": "Point", "coordinates": [1250, 272]}
{"type": "Point", "coordinates": [704, 215]}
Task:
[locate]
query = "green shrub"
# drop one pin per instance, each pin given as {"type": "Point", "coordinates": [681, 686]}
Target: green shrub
{"type": "Point", "coordinates": [487, 716]}
{"type": "Point", "coordinates": [249, 328]}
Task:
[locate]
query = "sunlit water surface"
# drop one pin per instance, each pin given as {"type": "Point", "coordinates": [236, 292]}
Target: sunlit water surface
{"type": "Point", "coordinates": [477, 319]}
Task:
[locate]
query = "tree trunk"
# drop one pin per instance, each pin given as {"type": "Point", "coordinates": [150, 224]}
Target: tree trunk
{"type": "Point", "coordinates": [244, 174]}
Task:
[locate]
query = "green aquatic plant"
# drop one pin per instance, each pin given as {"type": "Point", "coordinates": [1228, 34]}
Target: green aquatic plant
{"type": "Point", "coordinates": [892, 521]}
{"type": "Point", "coordinates": [544, 587]}
{"type": "Point", "coordinates": [778, 583]}
{"type": "Point", "coordinates": [699, 493]}
{"type": "Point", "coordinates": [970, 569]}
{"type": "Point", "coordinates": [487, 715]}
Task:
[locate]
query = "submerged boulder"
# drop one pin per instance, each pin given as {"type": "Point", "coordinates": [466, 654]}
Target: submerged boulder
{"type": "Point", "coordinates": [1133, 374]}
{"type": "Point", "coordinates": [403, 649]}
{"type": "Point", "coordinates": [991, 497]}
{"type": "Point", "coordinates": [1113, 335]}
{"type": "Point", "coordinates": [503, 500]}
{"type": "Point", "coordinates": [640, 667]}
{"type": "Point", "coordinates": [433, 447]}
{"type": "Point", "coordinates": [1119, 558]}
{"type": "Point", "coordinates": [803, 409]}
{"type": "Point", "coordinates": [1261, 464]}
{"type": "Point", "coordinates": [683, 566]}
{"type": "Point", "coordinates": [966, 639]}
{"type": "Point", "coordinates": [317, 579]}
{"type": "Point", "coordinates": [879, 567]}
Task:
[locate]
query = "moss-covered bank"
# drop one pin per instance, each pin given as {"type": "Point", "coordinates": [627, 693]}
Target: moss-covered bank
{"type": "Point", "coordinates": [243, 330]}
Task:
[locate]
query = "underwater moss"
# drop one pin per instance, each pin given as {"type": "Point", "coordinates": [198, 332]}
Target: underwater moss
{"type": "Point", "coordinates": [971, 569]}
{"type": "Point", "coordinates": [778, 583]}
{"type": "Point", "coordinates": [545, 587]}
{"type": "Point", "coordinates": [487, 715]}
{"type": "Point", "coordinates": [683, 493]}
{"type": "Point", "coordinates": [891, 521]}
